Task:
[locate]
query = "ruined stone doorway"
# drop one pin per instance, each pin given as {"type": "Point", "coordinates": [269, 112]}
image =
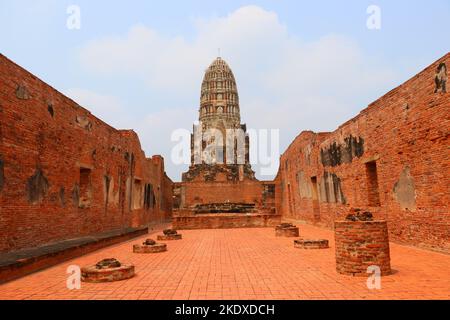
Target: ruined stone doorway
{"type": "Point", "coordinates": [315, 198]}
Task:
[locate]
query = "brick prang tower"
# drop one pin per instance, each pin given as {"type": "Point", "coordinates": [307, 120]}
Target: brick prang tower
{"type": "Point", "coordinates": [219, 109]}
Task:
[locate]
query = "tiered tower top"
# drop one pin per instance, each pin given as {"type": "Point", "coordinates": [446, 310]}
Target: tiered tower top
{"type": "Point", "coordinates": [219, 97]}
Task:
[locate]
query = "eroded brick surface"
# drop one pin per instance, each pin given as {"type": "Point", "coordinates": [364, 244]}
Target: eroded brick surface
{"type": "Point", "coordinates": [392, 160]}
{"type": "Point", "coordinates": [64, 173]}
{"type": "Point", "coordinates": [360, 245]}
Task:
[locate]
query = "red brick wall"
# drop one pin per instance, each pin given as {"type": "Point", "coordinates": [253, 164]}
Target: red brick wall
{"type": "Point", "coordinates": [225, 221]}
{"type": "Point", "coordinates": [405, 133]}
{"type": "Point", "coordinates": [193, 193]}
{"type": "Point", "coordinates": [45, 138]}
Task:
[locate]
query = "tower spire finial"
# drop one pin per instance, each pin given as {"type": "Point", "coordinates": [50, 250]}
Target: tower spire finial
{"type": "Point", "coordinates": [218, 50]}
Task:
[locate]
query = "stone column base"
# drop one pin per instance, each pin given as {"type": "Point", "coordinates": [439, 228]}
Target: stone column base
{"type": "Point", "coordinates": [360, 245]}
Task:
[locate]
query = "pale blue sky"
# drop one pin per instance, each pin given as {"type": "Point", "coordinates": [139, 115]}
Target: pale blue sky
{"type": "Point", "coordinates": [330, 33]}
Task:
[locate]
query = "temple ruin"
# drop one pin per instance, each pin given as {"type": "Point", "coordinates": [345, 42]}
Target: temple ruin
{"type": "Point", "coordinates": [71, 184]}
{"type": "Point", "coordinates": [220, 190]}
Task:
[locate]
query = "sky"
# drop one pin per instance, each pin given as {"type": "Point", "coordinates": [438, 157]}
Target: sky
{"type": "Point", "coordinates": [299, 65]}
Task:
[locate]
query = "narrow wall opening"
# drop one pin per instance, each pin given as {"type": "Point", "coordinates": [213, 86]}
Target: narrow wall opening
{"type": "Point", "coordinates": [315, 198]}
{"type": "Point", "coordinates": [290, 199]}
{"type": "Point", "coordinates": [106, 188]}
{"type": "Point", "coordinates": [373, 193]}
{"type": "Point", "coordinates": [137, 194]}
{"type": "Point", "coordinates": [85, 188]}
{"type": "Point", "coordinates": [149, 197]}
{"type": "Point", "coordinates": [2, 174]}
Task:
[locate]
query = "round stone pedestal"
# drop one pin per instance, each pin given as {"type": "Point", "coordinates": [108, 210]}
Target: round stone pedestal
{"type": "Point", "coordinates": [311, 244]}
{"type": "Point", "coordinates": [287, 230]}
{"type": "Point", "coordinates": [107, 270]}
{"type": "Point", "coordinates": [362, 244]}
{"type": "Point", "coordinates": [143, 248]}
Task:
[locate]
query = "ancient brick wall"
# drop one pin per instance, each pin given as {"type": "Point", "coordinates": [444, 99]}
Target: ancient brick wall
{"type": "Point", "coordinates": [64, 173]}
{"type": "Point", "coordinates": [225, 204]}
{"type": "Point", "coordinates": [262, 194]}
{"type": "Point", "coordinates": [226, 221]}
{"type": "Point", "coordinates": [392, 159]}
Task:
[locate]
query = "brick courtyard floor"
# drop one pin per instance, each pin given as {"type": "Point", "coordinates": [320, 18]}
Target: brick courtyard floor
{"type": "Point", "coordinates": [241, 264]}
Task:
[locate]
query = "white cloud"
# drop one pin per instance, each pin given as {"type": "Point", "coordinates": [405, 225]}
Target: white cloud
{"type": "Point", "coordinates": [284, 82]}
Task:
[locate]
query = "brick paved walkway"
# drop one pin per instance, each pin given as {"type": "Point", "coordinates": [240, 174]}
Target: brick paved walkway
{"type": "Point", "coordinates": [241, 264]}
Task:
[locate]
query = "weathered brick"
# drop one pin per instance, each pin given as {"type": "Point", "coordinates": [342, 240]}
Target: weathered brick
{"type": "Point", "coordinates": [370, 248]}
{"type": "Point", "coordinates": [66, 174]}
{"type": "Point", "coordinates": [392, 160]}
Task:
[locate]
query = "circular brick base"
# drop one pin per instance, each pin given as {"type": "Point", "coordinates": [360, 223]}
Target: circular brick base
{"type": "Point", "coordinates": [361, 244]}
{"type": "Point", "coordinates": [94, 275]}
{"type": "Point", "coordinates": [311, 244]}
{"type": "Point", "coordinates": [141, 248]}
{"type": "Point", "coordinates": [169, 237]}
{"type": "Point", "coordinates": [291, 232]}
